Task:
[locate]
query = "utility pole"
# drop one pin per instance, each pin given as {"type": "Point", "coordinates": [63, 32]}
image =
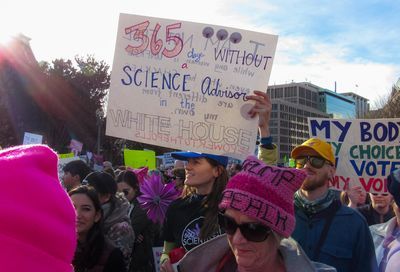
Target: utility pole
{"type": "Point", "coordinates": [99, 118]}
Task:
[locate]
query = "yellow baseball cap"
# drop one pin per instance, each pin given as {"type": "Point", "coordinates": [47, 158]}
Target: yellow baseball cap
{"type": "Point", "coordinates": [323, 148]}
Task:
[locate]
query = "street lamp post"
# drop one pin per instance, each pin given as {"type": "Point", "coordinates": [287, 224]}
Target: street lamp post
{"type": "Point", "coordinates": [99, 115]}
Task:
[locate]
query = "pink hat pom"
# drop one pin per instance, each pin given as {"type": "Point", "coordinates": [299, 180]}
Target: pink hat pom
{"type": "Point", "coordinates": [37, 226]}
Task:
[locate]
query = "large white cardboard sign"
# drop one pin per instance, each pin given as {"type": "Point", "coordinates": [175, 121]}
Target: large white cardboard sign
{"type": "Point", "coordinates": [183, 85]}
{"type": "Point", "coordinates": [366, 150]}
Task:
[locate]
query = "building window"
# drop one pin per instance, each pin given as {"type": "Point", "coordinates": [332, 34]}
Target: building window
{"type": "Point", "coordinates": [308, 94]}
{"type": "Point", "coordinates": [301, 92]}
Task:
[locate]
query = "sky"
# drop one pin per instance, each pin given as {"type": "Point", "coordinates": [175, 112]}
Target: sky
{"type": "Point", "coordinates": [353, 43]}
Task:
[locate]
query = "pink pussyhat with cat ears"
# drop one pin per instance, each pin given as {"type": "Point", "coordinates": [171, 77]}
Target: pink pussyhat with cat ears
{"type": "Point", "coordinates": [265, 193]}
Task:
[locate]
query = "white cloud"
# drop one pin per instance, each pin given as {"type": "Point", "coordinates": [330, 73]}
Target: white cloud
{"type": "Point", "coordinates": [66, 29]}
{"type": "Point", "coordinates": [325, 66]}
{"type": "Point", "coordinates": [328, 55]}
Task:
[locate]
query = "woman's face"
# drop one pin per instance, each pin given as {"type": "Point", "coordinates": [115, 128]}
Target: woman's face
{"type": "Point", "coordinates": [85, 212]}
{"type": "Point", "coordinates": [379, 200]}
{"type": "Point", "coordinates": [128, 191]}
{"type": "Point", "coordinates": [250, 255]}
{"type": "Point", "coordinates": [201, 175]}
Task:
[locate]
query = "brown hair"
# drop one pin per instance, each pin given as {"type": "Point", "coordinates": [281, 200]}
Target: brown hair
{"type": "Point", "coordinates": [211, 201]}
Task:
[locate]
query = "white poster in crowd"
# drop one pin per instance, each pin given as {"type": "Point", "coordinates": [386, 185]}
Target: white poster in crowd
{"type": "Point", "coordinates": [157, 251]}
{"type": "Point", "coordinates": [366, 150]}
{"type": "Point", "coordinates": [31, 138]}
{"type": "Point", "coordinates": [183, 85]}
{"type": "Point", "coordinates": [75, 146]}
{"type": "Point", "coordinates": [168, 160]}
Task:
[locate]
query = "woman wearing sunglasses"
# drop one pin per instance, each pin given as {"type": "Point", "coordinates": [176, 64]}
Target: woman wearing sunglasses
{"type": "Point", "coordinates": [379, 210]}
{"type": "Point", "coordinates": [193, 218]}
{"type": "Point", "coordinates": [257, 214]}
{"type": "Point", "coordinates": [387, 235]}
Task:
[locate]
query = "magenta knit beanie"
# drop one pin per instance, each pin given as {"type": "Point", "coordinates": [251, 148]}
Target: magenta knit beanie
{"type": "Point", "coordinates": [265, 193]}
{"type": "Point", "coordinates": [37, 225]}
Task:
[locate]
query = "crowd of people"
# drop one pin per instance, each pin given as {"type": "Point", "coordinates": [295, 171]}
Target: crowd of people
{"type": "Point", "coordinates": [252, 216]}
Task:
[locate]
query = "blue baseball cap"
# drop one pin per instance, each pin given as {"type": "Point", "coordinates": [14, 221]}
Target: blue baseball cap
{"type": "Point", "coordinates": [184, 156]}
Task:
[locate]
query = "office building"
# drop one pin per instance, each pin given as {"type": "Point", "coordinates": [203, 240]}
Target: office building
{"type": "Point", "coordinates": [362, 104]}
{"type": "Point", "coordinates": [336, 105]}
{"type": "Point", "coordinates": [293, 103]}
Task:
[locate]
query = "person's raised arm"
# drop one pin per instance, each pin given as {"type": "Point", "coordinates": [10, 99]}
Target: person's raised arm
{"type": "Point", "coordinates": [263, 107]}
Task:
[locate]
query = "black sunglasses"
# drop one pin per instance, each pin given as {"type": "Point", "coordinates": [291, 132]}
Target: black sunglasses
{"type": "Point", "coordinates": [380, 194]}
{"type": "Point", "coordinates": [316, 162]}
{"type": "Point", "coordinates": [253, 232]}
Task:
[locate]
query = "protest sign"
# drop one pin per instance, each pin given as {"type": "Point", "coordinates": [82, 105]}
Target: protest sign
{"type": "Point", "coordinates": [168, 160]}
{"type": "Point", "coordinates": [75, 146]}
{"type": "Point", "coordinates": [292, 163]}
{"type": "Point", "coordinates": [140, 158]}
{"type": "Point", "coordinates": [366, 150]}
{"type": "Point", "coordinates": [183, 85]}
{"type": "Point", "coordinates": [66, 155]}
{"type": "Point", "coordinates": [157, 252]}
{"type": "Point", "coordinates": [31, 138]}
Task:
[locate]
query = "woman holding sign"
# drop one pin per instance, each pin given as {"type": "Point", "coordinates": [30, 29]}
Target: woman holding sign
{"type": "Point", "coordinates": [193, 218]}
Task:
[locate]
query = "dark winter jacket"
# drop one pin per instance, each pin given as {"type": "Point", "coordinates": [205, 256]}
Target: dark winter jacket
{"type": "Point", "coordinates": [348, 246]}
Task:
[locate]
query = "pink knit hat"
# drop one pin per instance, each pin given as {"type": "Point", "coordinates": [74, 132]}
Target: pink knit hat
{"type": "Point", "coordinates": [265, 193]}
{"type": "Point", "coordinates": [37, 218]}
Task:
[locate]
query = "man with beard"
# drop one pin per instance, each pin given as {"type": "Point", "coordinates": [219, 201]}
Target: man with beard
{"type": "Point", "coordinates": [328, 232]}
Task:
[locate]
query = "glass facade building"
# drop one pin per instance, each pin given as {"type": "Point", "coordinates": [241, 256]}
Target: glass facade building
{"type": "Point", "coordinates": [337, 105]}
{"type": "Point", "coordinates": [293, 103]}
{"type": "Point", "coordinates": [362, 104]}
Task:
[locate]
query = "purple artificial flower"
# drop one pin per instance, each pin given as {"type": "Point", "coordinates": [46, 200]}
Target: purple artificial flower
{"type": "Point", "coordinates": [156, 197]}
